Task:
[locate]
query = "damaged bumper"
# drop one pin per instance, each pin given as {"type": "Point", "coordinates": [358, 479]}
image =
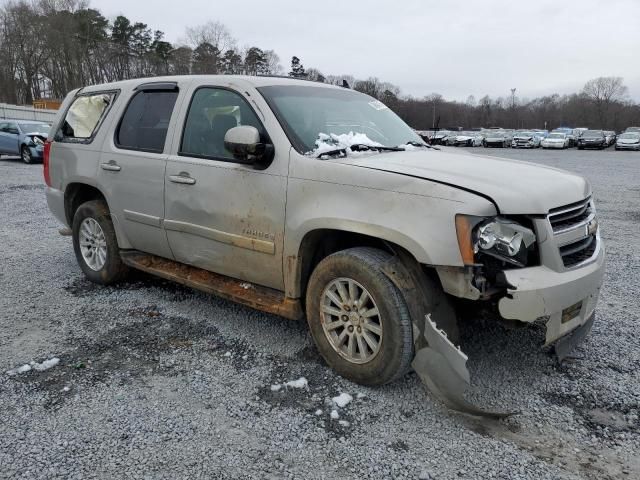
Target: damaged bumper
{"type": "Point", "coordinates": [567, 298]}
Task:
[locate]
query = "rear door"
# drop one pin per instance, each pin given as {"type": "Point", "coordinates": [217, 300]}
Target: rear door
{"type": "Point", "coordinates": [9, 135]}
{"type": "Point", "coordinates": [132, 165]}
{"type": "Point", "coordinates": [221, 215]}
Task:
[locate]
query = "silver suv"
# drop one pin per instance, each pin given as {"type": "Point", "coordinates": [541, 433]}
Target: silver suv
{"type": "Point", "coordinates": [304, 199]}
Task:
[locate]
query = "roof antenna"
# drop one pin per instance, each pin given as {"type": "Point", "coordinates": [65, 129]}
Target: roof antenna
{"type": "Point", "coordinates": [345, 84]}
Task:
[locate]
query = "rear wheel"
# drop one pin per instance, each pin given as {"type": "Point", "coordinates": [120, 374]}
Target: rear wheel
{"type": "Point", "coordinates": [358, 318]}
{"type": "Point", "coordinates": [25, 154]}
{"type": "Point", "coordinates": [95, 243]}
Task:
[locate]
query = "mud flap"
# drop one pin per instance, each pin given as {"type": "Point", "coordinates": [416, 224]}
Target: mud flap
{"type": "Point", "coordinates": [442, 368]}
{"type": "Point", "coordinates": [565, 345]}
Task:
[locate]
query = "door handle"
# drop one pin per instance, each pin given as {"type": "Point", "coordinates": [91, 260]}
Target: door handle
{"type": "Point", "coordinates": [183, 178]}
{"type": "Point", "coordinates": [111, 166]}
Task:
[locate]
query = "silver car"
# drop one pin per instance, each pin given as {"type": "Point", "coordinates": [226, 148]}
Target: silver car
{"type": "Point", "coordinates": [309, 200]}
{"type": "Point", "coordinates": [24, 138]}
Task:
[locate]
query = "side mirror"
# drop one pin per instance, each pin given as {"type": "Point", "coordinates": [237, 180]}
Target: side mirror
{"type": "Point", "coordinates": [244, 144]}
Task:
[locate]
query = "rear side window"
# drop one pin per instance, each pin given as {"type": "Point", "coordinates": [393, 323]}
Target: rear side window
{"type": "Point", "coordinates": [146, 120]}
{"type": "Point", "coordinates": [84, 116]}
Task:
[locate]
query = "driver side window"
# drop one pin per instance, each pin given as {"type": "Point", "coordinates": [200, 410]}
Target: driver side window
{"type": "Point", "coordinates": [213, 111]}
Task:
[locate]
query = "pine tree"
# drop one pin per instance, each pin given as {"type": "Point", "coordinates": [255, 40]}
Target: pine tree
{"type": "Point", "coordinates": [297, 69]}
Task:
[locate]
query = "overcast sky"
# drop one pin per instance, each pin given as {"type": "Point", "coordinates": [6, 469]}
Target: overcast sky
{"type": "Point", "coordinates": [456, 48]}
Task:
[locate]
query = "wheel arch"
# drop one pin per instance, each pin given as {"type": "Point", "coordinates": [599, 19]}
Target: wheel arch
{"type": "Point", "coordinates": [77, 193]}
{"type": "Point", "coordinates": [319, 243]}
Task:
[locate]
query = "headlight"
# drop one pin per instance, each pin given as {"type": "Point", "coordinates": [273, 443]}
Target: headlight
{"type": "Point", "coordinates": [497, 237]}
{"type": "Point", "coordinates": [38, 141]}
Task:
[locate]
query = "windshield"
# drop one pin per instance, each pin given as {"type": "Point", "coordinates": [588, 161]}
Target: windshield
{"type": "Point", "coordinates": [592, 133]}
{"type": "Point", "coordinates": [312, 115]}
{"type": "Point", "coordinates": [524, 134]}
{"type": "Point", "coordinates": [630, 135]}
{"type": "Point", "coordinates": [556, 135]}
{"type": "Point", "coordinates": [34, 128]}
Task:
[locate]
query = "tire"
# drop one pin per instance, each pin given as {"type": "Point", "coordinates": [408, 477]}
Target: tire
{"type": "Point", "coordinates": [25, 154]}
{"type": "Point", "coordinates": [363, 267]}
{"type": "Point", "coordinates": [87, 216]}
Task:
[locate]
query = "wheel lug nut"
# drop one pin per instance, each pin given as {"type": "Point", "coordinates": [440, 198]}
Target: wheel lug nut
{"type": "Point", "coordinates": [344, 318]}
{"type": "Point", "coordinates": [350, 328]}
{"type": "Point", "coordinates": [359, 329]}
{"type": "Point", "coordinates": [347, 308]}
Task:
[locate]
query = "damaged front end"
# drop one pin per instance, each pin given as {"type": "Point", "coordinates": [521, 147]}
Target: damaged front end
{"type": "Point", "coordinates": [510, 268]}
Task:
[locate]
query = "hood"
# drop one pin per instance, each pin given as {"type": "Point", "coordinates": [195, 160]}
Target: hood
{"type": "Point", "coordinates": [515, 187]}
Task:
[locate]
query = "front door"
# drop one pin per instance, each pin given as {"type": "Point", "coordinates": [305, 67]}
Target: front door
{"type": "Point", "coordinates": [132, 167]}
{"type": "Point", "coordinates": [9, 144]}
{"type": "Point", "coordinates": [221, 215]}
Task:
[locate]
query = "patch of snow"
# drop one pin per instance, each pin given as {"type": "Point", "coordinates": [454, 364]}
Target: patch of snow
{"type": "Point", "coordinates": [244, 357]}
{"type": "Point", "coordinates": [228, 354]}
{"type": "Point", "coordinates": [335, 415]}
{"type": "Point", "coordinates": [40, 367]}
{"type": "Point", "coordinates": [246, 286]}
{"type": "Point", "coordinates": [408, 147]}
{"type": "Point", "coordinates": [276, 387]}
{"type": "Point", "coordinates": [342, 400]}
{"type": "Point", "coordinates": [300, 383]}
{"type": "Point", "coordinates": [66, 389]}
{"type": "Point", "coordinates": [46, 365]}
{"type": "Point", "coordinates": [344, 423]}
{"type": "Point", "coordinates": [22, 369]}
{"type": "Point", "coordinates": [329, 142]}
{"type": "Point", "coordinates": [318, 412]}
{"type": "Point", "coordinates": [361, 395]}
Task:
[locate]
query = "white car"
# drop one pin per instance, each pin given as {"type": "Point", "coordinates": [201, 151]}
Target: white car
{"type": "Point", "coordinates": [556, 140]}
{"type": "Point", "coordinates": [525, 139]}
{"type": "Point", "coordinates": [465, 139]}
{"type": "Point", "coordinates": [628, 141]}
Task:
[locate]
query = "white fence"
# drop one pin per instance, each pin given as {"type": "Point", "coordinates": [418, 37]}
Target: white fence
{"type": "Point", "coordinates": [26, 113]}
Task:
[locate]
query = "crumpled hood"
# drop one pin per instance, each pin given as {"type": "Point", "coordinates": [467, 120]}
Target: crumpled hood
{"type": "Point", "coordinates": [516, 187]}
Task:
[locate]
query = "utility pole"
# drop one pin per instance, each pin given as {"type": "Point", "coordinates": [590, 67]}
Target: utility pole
{"type": "Point", "coordinates": [513, 107]}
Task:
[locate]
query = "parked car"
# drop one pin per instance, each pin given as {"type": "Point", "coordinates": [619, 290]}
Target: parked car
{"type": "Point", "coordinates": [555, 140]}
{"type": "Point", "coordinates": [592, 139]}
{"type": "Point", "coordinates": [440, 137]}
{"type": "Point", "coordinates": [24, 138]}
{"type": "Point", "coordinates": [496, 138]}
{"type": "Point", "coordinates": [465, 139]}
{"type": "Point", "coordinates": [525, 139]}
{"type": "Point", "coordinates": [632, 130]}
{"type": "Point", "coordinates": [300, 199]}
{"type": "Point", "coordinates": [610, 137]}
{"type": "Point", "coordinates": [628, 141]}
{"type": "Point", "coordinates": [571, 134]}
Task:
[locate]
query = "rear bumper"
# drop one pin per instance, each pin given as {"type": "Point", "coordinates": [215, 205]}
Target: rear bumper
{"type": "Point", "coordinates": [567, 298]}
{"type": "Point", "coordinates": [55, 200]}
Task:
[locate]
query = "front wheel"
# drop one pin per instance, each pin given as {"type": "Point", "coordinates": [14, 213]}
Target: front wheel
{"type": "Point", "coordinates": [95, 243]}
{"type": "Point", "coordinates": [25, 154]}
{"type": "Point", "coordinates": [358, 318]}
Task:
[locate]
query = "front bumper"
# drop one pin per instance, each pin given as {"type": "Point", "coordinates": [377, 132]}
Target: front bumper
{"type": "Point", "coordinates": [553, 145]}
{"type": "Point", "coordinates": [628, 146]}
{"type": "Point", "coordinates": [567, 298]}
{"type": "Point", "coordinates": [37, 152]}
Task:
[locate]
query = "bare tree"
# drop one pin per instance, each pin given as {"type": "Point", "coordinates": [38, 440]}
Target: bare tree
{"type": "Point", "coordinates": [603, 92]}
{"type": "Point", "coordinates": [213, 32]}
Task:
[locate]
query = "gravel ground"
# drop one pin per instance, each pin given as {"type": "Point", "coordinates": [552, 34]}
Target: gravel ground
{"type": "Point", "coordinates": [159, 381]}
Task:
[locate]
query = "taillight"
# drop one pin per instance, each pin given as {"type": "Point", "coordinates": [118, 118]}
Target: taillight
{"type": "Point", "coordinates": [45, 162]}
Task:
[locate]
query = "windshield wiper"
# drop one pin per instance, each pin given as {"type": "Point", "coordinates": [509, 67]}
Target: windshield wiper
{"type": "Point", "coordinates": [360, 147]}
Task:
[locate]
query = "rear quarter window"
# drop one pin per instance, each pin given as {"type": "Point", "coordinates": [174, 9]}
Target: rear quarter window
{"type": "Point", "coordinates": [84, 116]}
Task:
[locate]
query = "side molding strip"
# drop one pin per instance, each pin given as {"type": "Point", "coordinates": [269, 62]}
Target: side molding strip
{"type": "Point", "coordinates": [262, 246]}
{"type": "Point", "coordinates": [142, 218]}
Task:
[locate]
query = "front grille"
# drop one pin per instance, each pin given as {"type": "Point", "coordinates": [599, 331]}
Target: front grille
{"type": "Point", "coordinates": [564, 218]}
{"type": "Point", "coordinates": [578, 252]}
{"type": "Point", "coordinates": [570, 225]}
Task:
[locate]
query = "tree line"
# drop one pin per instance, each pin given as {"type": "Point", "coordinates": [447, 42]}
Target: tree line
{"type": "Point", "coordinates": [49, 47]}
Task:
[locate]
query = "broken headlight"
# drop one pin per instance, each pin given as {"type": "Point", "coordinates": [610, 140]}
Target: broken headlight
{"type": "Point", "coordinates": [498, 237]}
